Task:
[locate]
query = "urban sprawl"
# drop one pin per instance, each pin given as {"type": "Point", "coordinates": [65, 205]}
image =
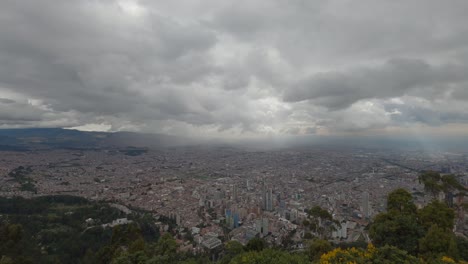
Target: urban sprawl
{"type": "Point", "coordinates": [223, 193]}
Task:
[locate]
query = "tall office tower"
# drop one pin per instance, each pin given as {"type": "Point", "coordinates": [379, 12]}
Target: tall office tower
{"type": "Point", "coordinates": [235, 194]}
{"type": "Point", "coordinates": [365, 205]}
{"type": "Point", "coordinates": [269, 199]}
{"type": "Point", "coordinates": [264, 197]}
{"type": "Point", "coordinates": [178, 219]}
{"type": "Point", "coordinates": [282, 205]}
{"type": "Point", "coordinates": [232, 218]}
{"type": "Point", "coordinates": [235, 218]}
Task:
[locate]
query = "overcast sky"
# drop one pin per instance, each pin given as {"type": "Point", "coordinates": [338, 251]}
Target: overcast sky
{"type": "Point", "coordinates": [236, 68]}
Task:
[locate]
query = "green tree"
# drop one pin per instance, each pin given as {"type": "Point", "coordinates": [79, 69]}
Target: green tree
{"type": "Point", "coordinates": [125, 234]}
{"type": "Point", "coordinates": [137, 245]}
{"type": "Point", "coordinates": [6, 260]}
{"type": "Point", "coordinates": [431, 181]}
{"type": "Point", "coordinates": [450, 183]}
{"type": "Point", "coordinates": [435, 244]}
{"type": "Point", "coordinates": [319, 212]}
{"type": "Point", "coordinates": [462, 246]}
{"type": "Point", "coordinates": [317, 216]}
{"type": "Point", "coordinates": [452, 250]}
{"type": "Point", "coordinates": [317, 248]}
{"type": "Point", "coordinates": [434, 183]}
{"type": "Point", "coordinates": [131, 258]}
{"type": "Point", "coordinates": [10, 238]}
{"type": "Point", "coordinates": [437, 213]}
{"type": "Point", "coordinates": [389, 255]}
{"type": "Point", "coordinates": [399, 227]}
{"type": "Point", "coordinates": [166, 246]}
{"type": "Point", "coordinates": [400, 200]}
{"type": "Point", "coordinates": [232, 249]}
{"type": "Point", "coordinates": [308, 235]}
{"type": "Point", "coordinates": [255, 244]}
{"type": "Point", "coordinates": [269, 256]}
{"type": "Point", "coordinates": [400, 230]}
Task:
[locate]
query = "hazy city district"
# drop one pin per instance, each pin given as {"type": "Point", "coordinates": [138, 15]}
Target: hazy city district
{"type": "Point", "coordinates": [221, 193]}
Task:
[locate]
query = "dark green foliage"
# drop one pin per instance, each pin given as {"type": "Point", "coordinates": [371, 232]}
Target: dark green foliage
{"type": "Point", "coordinates": [308, 235]}
{"type": "Point", "coordinates": [52, 229]}
{"type": "Point", "coordinates": [431, 179]}
{"type": "Point", "coordinates": [138, 257]}
{"type": "Point", "coordinates": [462, 246]}
{"type": "Point", "coordinates": [452, 250]}
{"type": "Point", "coordinates": [426, 232]}
{"type": "Point", "coordinates": [269, 256]}
{"type": "Point", "coordinates": [166, 246]}
{"type": "Point", "coordinates": [434, 183]}
{"type": "Point", "coordinates": [437, 213]}
{"type": "Point", "coordinates": [399, 226]}
{"type": "Point", "coordinates": [401, 201]}
{"type": "Point", "coordinates": [436, 243]}
{"type": "Point", "coordinates": [317, 248]}
{"type": "Point", "coordinates": [28, 186]}
{"type": "Point", "coordinates": [255, 244]}
{"type": "Point", "coordinates": [450, 183]}
{"type": "Point", "coordinates": [390, 255]}
{"type": "Point", "coordinates": [20, 175]}
{"type": "Point", "coordinates": [319, 215]}
{"type": "Point", "coordinates": [6, 260]}
{"type": "Point", "coordinates": [232, 249]}
{"type": "Point", "coordinates": [318, 212]}
{"type": "Point", "coordinates": [399, 230]}
{"type": "Point", "coordinates": [357, 244]}
{"type": "Point", "coordinates": [10, 237]}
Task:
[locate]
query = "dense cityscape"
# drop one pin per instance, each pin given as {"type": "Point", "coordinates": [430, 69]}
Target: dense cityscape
{"type": "Point", "coordinates": [228, 193]}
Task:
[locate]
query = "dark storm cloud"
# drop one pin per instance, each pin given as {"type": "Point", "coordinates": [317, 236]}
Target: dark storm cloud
{"type": "Point", "coordinates": [397, 77]}
{"type": "Point", "coordinates": [233, 67]}
{"type": "Point", "coordinates": [6, 101]}
{"type": "Point", "coordinates": [80, 56]}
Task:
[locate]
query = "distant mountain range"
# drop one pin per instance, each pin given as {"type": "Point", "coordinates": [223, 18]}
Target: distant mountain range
{"type": "Point", "coordinates": [49, 138]}
{"type": "Point", "coordinates": [58, 138]}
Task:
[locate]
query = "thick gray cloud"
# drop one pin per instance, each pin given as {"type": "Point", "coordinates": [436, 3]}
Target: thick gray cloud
{"type": "Point", "coordinates": [233, 68]}
{"type": "Point", "coordinates": [395, 78]}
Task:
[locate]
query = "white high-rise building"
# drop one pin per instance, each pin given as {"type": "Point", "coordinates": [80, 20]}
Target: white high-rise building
{"type": "Point", "coordinates": [268, 199]}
